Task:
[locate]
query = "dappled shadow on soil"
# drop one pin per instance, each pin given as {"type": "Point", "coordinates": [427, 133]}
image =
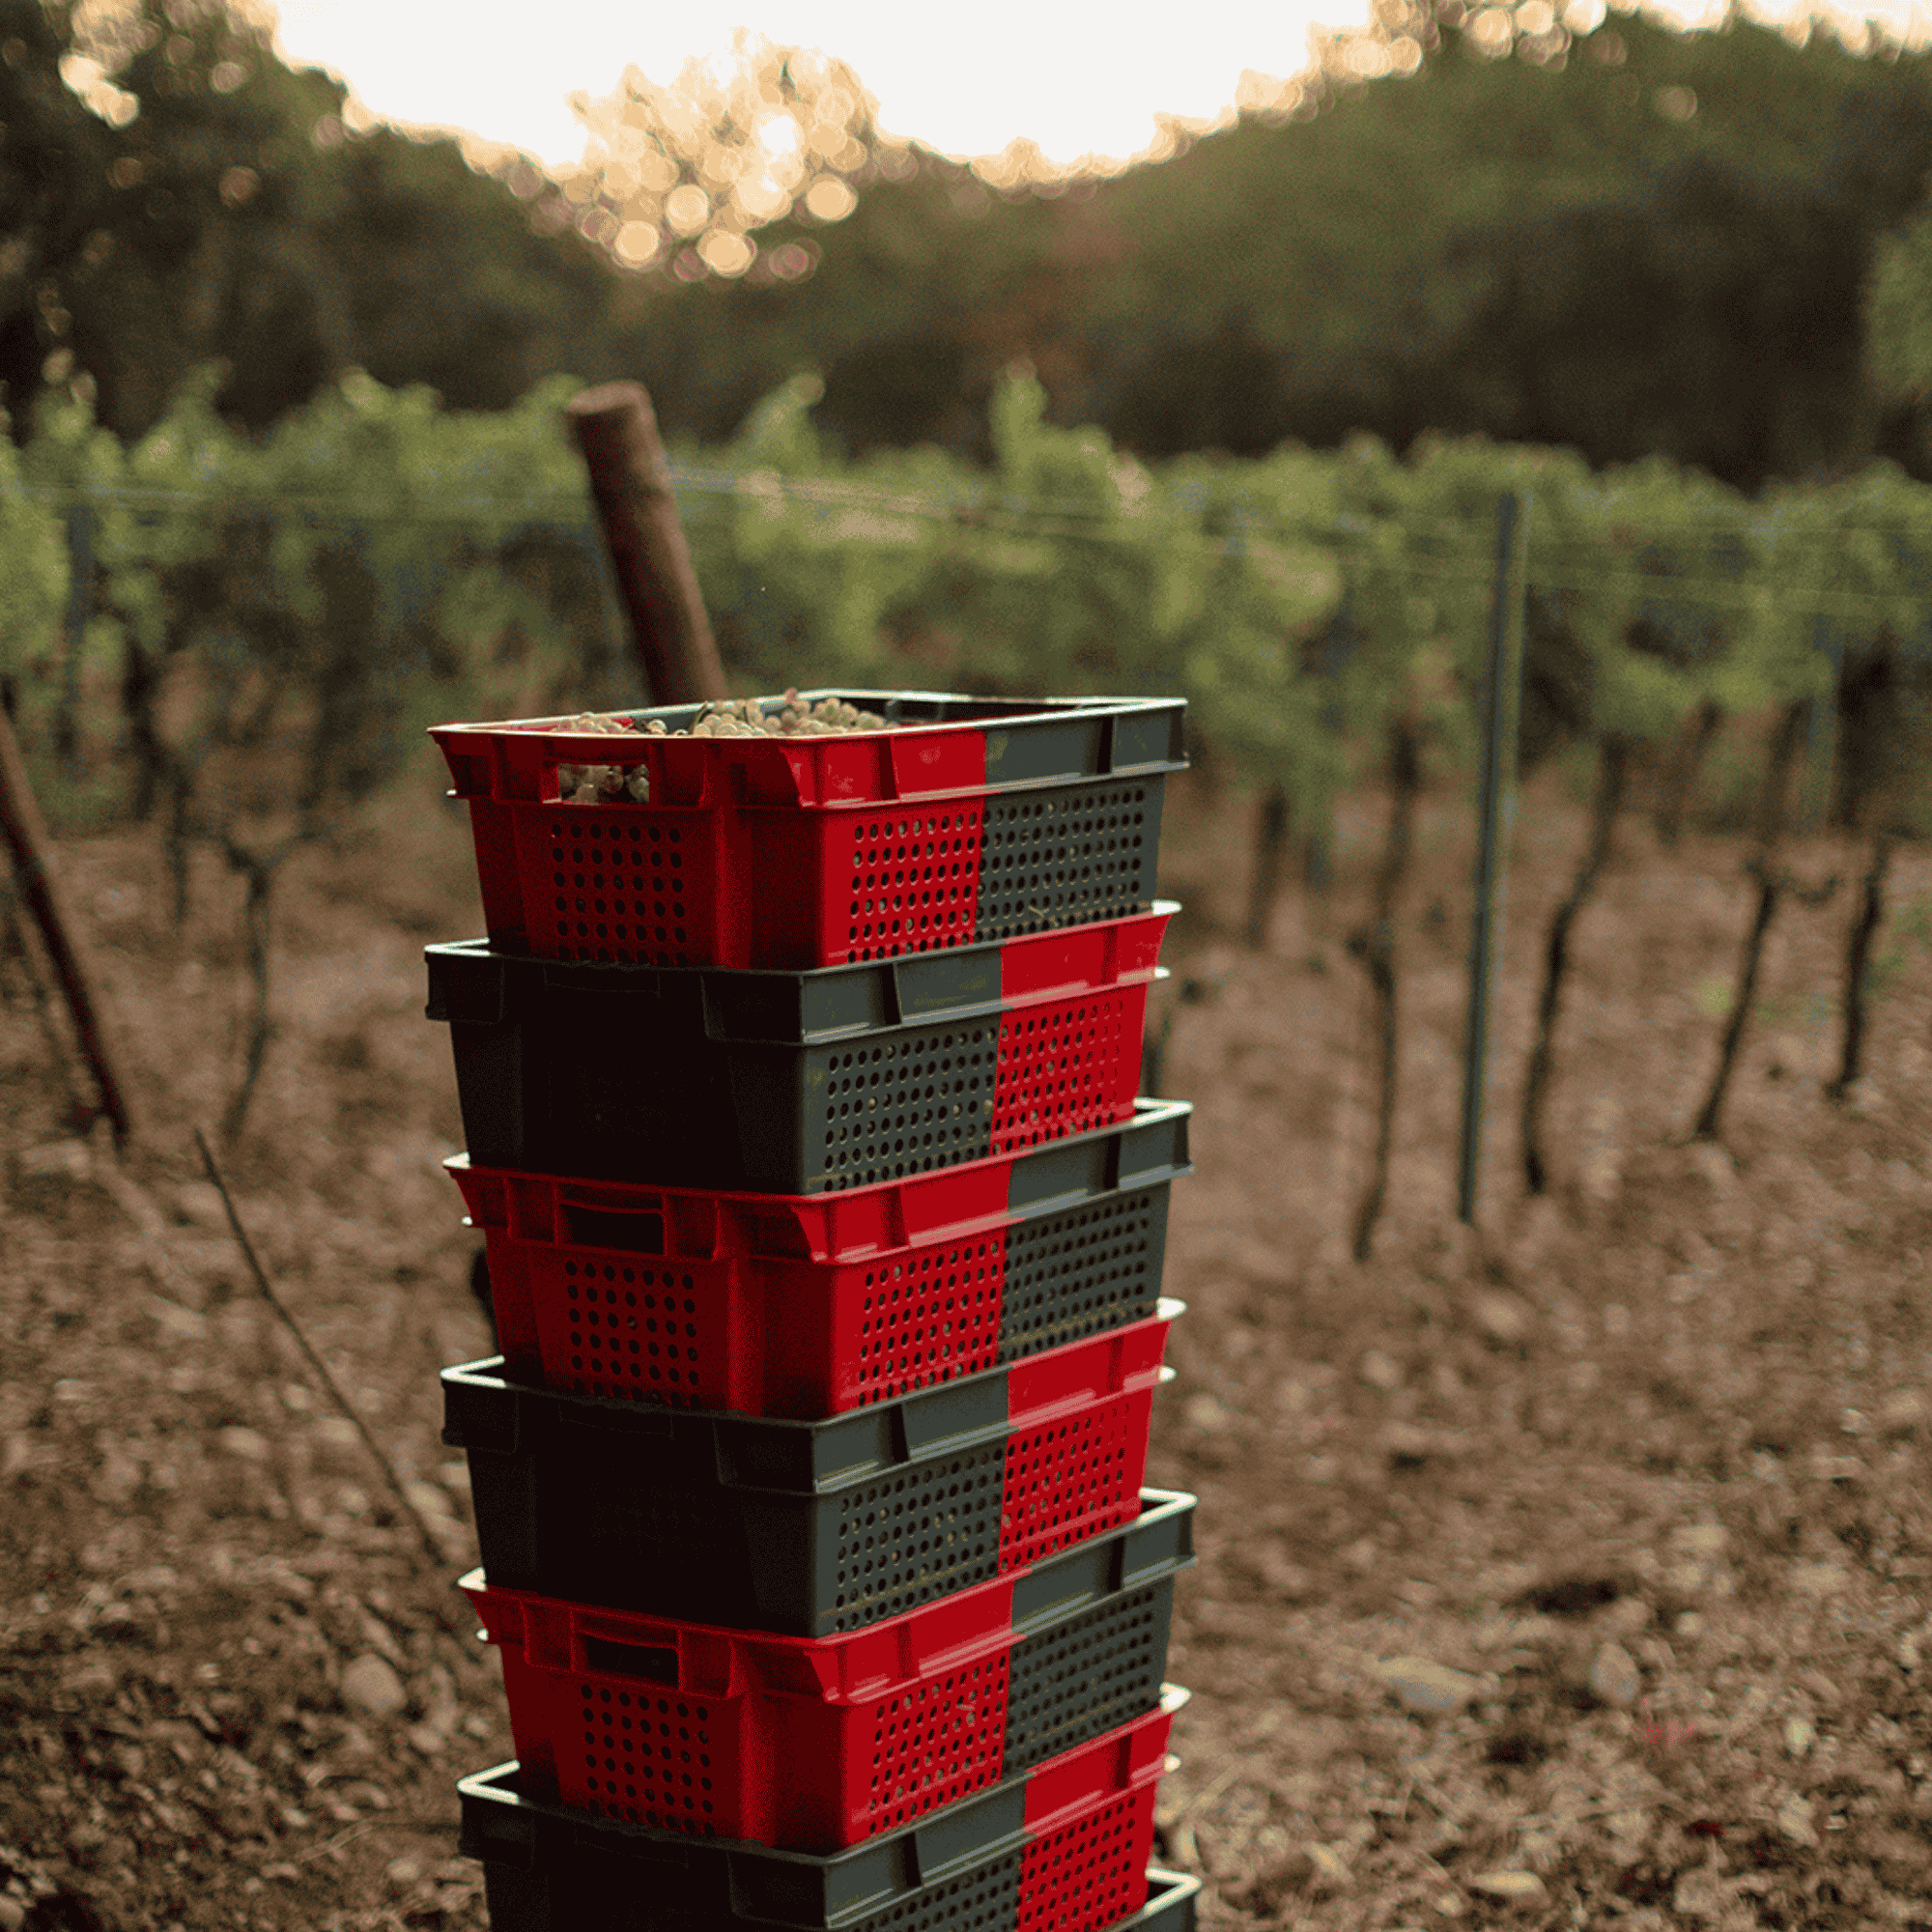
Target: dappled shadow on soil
{"type": "Point", "coordinates": [1574, 1572]}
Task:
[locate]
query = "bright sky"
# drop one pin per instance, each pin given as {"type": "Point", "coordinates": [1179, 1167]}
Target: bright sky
{"type": "Point", "coordinates": [962, 79]}
{"type": "Point", "coordinates": [965, 80]}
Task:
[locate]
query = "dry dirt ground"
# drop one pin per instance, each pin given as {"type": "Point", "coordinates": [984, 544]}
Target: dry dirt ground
{"type": "Point", "coordinates": [1574, 1572]}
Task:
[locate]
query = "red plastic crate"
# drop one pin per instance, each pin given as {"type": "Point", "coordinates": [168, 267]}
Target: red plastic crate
{"type": "Point", "coordinates": [809, 1305]}
{"type": "Point", "coordinates": [815, 1743]}
{"type": "Point", "coordinates": [971, 820]}
{"type": "Point", "coordinates": [808, 1528]}
{"type": "Point", "coordinates": [1064, 1849]}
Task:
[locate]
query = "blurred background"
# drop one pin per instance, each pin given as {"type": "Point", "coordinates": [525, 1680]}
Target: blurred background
{"type": "Point", "coordinates": [1227, 412]}
{"type": "Point", "coordinates": [1541, 224]}
{"type": "Point", "coordinates": [1275, 382]}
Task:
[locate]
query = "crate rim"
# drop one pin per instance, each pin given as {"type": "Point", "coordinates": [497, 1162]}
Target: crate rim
{"type": "Point", "coordinates": [1149, 1110]}
{"type": "Point", "coordinates": [652, 1419]}
{"type": "Point", "coordinates": [496, 1784]}
{"type": "Point", "coordinates": [1025, 710]}
{"type": "Point", "coordinates": [1159, 1507]}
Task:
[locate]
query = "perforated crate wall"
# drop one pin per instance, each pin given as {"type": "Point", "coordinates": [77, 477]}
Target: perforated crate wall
{"type": "Point", "coordinates": [806, 1528]}
{"type": "Point", "coordinates": [1061, 1848]}
{"type": "Point", "coordinates": [779, 1305]}
{"type": "Point", "coordinates": [796, 1083]}
{"type": "Point", "coordinates": [972, 821]}
{"type": "Point", "coordinates": [816, 1744]}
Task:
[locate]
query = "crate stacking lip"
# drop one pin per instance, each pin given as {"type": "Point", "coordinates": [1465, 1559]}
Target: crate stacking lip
{"type": "Point", "coordinates": [1063, 1849]}
{"type": "Point", "coordinates": [796, 1083]}
{"type": "Point", "coordinates": [809, 1305]}
{"type": "Point", "coordinates": [817, 1742]}
{"type": "Point", "coordinates": [806, 1527]}
{"type": "Point", "coordinates": [971, 819]}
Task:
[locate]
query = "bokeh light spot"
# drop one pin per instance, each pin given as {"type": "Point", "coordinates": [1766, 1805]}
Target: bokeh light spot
{"type": "Point", "coordinates": [725, 253]}
{"type": "Point", "coordinates": [637, 243]}
{"type": "Point", "coordinates": [1493, 29]}
{"type": "Point", "coordinates": [687, 208]}
{"type": "Point", "coordinates": [829, 199]}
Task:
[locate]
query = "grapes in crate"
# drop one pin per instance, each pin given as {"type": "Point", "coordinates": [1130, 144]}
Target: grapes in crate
{"type": "Point", "coordinates": [789, 717]}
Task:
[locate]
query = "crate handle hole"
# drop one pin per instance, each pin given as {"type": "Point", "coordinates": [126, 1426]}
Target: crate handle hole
{"type": "Point", "coordinates": [637, 1234]}
{"type": "Point", "coordinates": [653, 1663]}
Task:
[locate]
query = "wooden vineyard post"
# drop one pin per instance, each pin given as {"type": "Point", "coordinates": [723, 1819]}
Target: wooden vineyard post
{"type": "Point", "coordinates": [1502, 701]}
{"type": "Point", "coordinates": [630, 482]}
{"type": "Point", "coordinates": [26, 836]}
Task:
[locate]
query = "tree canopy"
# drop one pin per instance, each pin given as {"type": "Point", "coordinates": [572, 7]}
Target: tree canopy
{"type": "Point", "coordinates": [1630, 240]}
{"type": "Point", "coordinates": [174, 194]}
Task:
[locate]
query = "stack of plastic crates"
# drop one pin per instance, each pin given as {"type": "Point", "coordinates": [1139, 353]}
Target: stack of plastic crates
{"type": "Point", "coordinates": [825, 1234]}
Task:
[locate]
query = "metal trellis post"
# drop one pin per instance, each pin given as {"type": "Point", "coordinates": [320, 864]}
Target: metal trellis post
{"type": "Point", "coordinates": [1502, 703]}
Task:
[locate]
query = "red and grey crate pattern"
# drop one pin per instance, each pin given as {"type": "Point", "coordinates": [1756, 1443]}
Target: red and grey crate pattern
{"type": "Point", "coordinates": [808, 1306]}
{"type": "Point", "coordinates": [808, 1528]}
{"type": "Point", "coordinates": [1063, 1848]}
{"type": "Point", "coordinates": [825, 1235]}
{"type": "Point", "coordinates": [796, 1083]}
{"type": "Point", "coordinates": [970, 819]}
{"type": "Point", "coordinates": [701, 1729]}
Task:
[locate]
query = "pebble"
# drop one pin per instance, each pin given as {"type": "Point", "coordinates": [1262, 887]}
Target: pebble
{"type": "Point", "coordinates": [1518, 1888]}
{"type": "Point", "coordinates": [1824, 1467]}
{"type": "Point", "coordinates": [1206, 1413]}
{"type": "Point", "coordinates": [249, 1445]}
{"type": "Point", "coordinates": [1794, 1820]}
{"type": "Point", "coordinates": [13, 1912]}
{"type": "Point", "coordinates": [1380, 1371]}
{"type": "Point", "coordinates": [1430, 1689]}
{"type": "Point", "coordinates": [1818, 1579]}
{"type": "Point", "coordinates": [1614, 1678]}
{"type": "Point", "coordinates": [1902, 1413]}
{"type": "Point", "coordinates": [177, 1321]}
{"type": "Point", "coordinates": [1502, 1317]}
{"type": "Point", "coordinates": [371, 1685]}
{"type": "Point", "coordinates": [1313, 1868]}
{"type": "Point", "coordinates": [1406, 1443]}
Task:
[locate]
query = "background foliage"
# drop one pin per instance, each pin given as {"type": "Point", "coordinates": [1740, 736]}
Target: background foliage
{"type": "Point", "coordinates": [1629, 242]}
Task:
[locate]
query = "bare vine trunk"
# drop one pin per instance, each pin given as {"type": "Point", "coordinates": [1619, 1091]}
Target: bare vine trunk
{"type": "Point", "coordinates": [1857, 962]}
{"type": "Point", "coordinates": [1374, 944]}
{"type": "Point", "coordinates": [258, 869]}
{"type": "Point", "coordinates": [1270, 846]}
{"type": "Point", "coordinates": [140, 686]}
{"type": "Point", "coordinates": [1772, 814]}
{"type": "Point", "coordinates": [1613, 778]}
{"type": "Point", "coordinates": [1680, 777]}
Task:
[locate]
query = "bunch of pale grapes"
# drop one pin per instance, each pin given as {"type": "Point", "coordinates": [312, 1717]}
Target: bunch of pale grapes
{"type": "Point", "coordinates": [604, 784]}
{"type": "Point", "coordinates": [792, 717]}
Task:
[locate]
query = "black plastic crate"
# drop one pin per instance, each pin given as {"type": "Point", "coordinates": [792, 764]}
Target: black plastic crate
{"type": "Point", "coordinates": [806, 1527]}
{"type": "Point", "coordinates": [1065, 1847]}
{"type": "Point", "coordinates": [793, 1083]}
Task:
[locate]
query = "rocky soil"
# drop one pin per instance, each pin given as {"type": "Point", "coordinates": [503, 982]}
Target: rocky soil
{"type": "Point", "coordinates": [1573, 1572]}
